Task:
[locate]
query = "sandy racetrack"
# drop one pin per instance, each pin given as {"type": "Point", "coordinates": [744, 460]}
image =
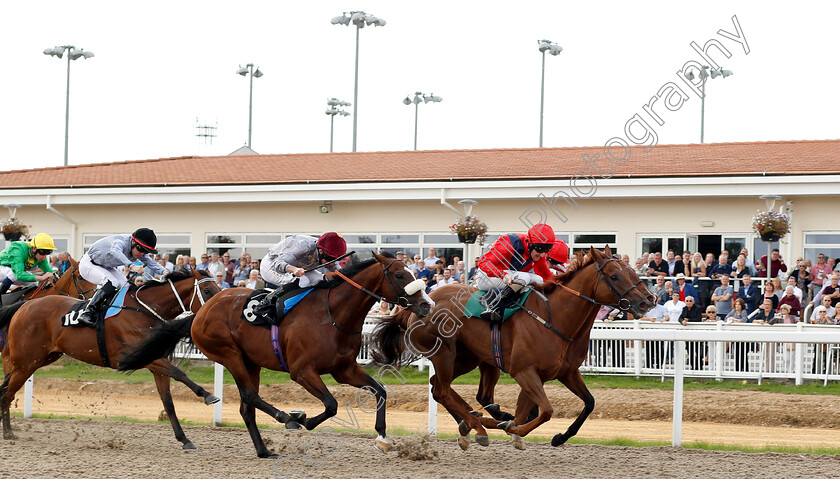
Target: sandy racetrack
{"type": "Point", "coordinates": [64, 448]}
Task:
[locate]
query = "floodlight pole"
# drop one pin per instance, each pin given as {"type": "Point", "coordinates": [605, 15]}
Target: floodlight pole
{"type": "Point", "coordinates": [416, 109]}
{"type": "Point", "coordinates": [356, 86]}
{"type": "Point", "coordinates": [250, 100]}
{"type": "Point", "coordinates": [67, 109]}
{"type": "Point", "coordinates": [542, 98]}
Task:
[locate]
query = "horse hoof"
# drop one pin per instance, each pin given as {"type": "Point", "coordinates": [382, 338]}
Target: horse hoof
{"type": "Point", "coordinates": [493, 409]}
{"type": "Point", "coordinates": [383, 444]}
{"type": "Point", "coordinates": [505, 425]}
{"type": "Point", "coordinates": [482, 440]}
{"type": "Point", "coordinates": [293, 425]}
{"type": "Point", "coordinates": [463, 429]}
{"type": "Point", "coordinates": [9, 436]}
{"type": "Point", "coordinates": [297, 415]}
{"type": "Point", "coordinates": [464, 442]}
{"type": "Point", "coordinates": [557, 440]}
{"type": "Point", "coordinates": [518, 442]}
{"type": "Point", "coordinates": [267, 455]}
{"type": "Point", "coordinates": [477, 413]}
{"type": "Point", "coordinates": [211, 399]}
{"type": "Point", "coordinates": [189, 446]}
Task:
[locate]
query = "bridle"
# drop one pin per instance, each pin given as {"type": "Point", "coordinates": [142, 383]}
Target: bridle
{"type": "Point", "coordinates": [402, 300]}
{"type": "Point", "coordinates": [196, 293]}
{"type": "Point", "coordinates": [622, 302]}
{"type": "Point", "coordinates": [53, 282]}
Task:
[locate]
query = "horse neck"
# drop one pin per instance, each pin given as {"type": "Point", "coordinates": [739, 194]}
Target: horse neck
{"type": "Point", "coordinates": [356, 300]}
{"type": "Point", "coordinates": [163, 301]}
{"type": "Point", "coordinates": [584, 282]}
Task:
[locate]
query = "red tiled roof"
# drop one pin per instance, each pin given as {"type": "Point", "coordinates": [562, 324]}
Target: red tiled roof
{"type": "Point", "coordinates": [715, 159]}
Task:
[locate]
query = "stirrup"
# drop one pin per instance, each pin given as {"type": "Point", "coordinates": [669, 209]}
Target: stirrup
{"type": "Point", "coordinates": [86, 318]}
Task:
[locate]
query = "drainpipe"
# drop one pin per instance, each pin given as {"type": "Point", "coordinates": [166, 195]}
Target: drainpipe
{"type": "Point", "coordinates": [72, 247]}
{"type": "Point", "coordinates": [788, 209]}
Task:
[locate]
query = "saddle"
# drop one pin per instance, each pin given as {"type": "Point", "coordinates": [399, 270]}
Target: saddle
{"type": "Point", "coordinates": [15, 296]}
{"type": "Point", "coordinates": [283, 305]}
{"type": "Point", "coordinates": [477, 302]}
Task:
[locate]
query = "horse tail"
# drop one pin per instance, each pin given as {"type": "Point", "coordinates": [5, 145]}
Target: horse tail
{"type": "Point", "coordinates": [160, 343]}
{"type": "Point", "coordinates": [6, 313]}
{"type": "Point", "coordinates": [388, 339]}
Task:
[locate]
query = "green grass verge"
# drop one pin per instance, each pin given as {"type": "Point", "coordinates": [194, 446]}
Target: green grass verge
{"type": "Point", "coordinates": [69, 368]}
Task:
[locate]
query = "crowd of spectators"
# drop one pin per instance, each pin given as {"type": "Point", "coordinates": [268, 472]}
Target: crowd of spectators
{"type": "Point", "coordinates": [720, 283]}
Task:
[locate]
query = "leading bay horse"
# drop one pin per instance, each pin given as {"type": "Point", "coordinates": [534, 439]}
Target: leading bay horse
{"type": "Point", "coordinates": [37, 338]}
{"type": "Point", "coordinates": [533, 350]}
{"type": "Point", "coordinates": [321, 335]}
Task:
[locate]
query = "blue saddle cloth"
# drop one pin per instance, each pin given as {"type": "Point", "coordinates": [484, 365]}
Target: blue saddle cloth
{"type": "Point", "coordinates": [289, 300]}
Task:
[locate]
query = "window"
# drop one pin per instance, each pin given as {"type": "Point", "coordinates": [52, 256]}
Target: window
{"type": "Point", "coordinates": [235, 244]}
{"type": "Point", "coordinates": [583, 241]}
{"type": "Point", "coordinates": [827, 243]}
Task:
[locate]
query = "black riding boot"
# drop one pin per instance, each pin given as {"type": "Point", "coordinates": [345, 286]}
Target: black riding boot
{"type": "Point", "coordinates": [99, 298]}
{"type": "Point", "coordinates": [3, 288]}
{"type": "Point", "coordinates": [494, 313]}
{"type": "Point", "coordinates": [266, 306]}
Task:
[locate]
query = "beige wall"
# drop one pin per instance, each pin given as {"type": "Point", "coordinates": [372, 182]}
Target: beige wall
{"type": "Point", "coordinates": [626, 217]}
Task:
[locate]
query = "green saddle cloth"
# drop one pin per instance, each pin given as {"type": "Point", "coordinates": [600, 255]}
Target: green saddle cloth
{"type": "Point", "coordinates": [475, 307]}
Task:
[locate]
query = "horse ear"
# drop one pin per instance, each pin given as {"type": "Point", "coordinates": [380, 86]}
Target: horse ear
{"type": "Point", "coordinates": [593, 252]}
{"type": "Point", "coordinates": [607, 250]}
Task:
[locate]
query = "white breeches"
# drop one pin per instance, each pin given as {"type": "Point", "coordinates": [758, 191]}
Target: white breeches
{"type": "Point", "coordinates": [99, 275]}
{"type": "Point", "coordinates": [6, 272]}
{"type": "Point", "coordinates": [269, 274]}
{"type": "Point", "coordinates": [486, 283]}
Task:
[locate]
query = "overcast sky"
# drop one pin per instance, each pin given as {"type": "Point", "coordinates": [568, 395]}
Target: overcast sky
{"type": "Point", "coordinates": [159, 66]}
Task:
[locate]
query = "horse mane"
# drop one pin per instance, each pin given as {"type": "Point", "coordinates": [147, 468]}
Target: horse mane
{"type": "Point", "coordinates": [354, 268]}
{"type": "Point", "coordinates": [576, 265]}
{"type": "Point", "coordinates": [174, 275]}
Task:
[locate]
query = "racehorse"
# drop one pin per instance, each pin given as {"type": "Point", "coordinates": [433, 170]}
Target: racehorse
{"type": "Point", "coordinates": [321, 335]}
{"type": "Point", "coordinates": [533, 351]}
{"type": "Point", "coordinates": [37, 338]}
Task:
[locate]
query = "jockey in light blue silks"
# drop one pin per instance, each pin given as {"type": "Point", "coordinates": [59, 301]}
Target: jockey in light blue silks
{"type": "Point", "coordinates": [287, 262]}
{"type": "Point", "coordinates": [99, 266]}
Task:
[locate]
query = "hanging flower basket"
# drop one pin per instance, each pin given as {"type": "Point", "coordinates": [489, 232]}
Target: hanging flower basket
{"type": "Point", "coordinates": [771, 226]}
{"type": "Point", "coordinates": [14, 230]}
{"type": "Point", "coordinates": [469, 230]}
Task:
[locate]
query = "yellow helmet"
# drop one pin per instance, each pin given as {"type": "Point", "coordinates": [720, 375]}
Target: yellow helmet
{"type": "Point", "coordinates": [42, 241]}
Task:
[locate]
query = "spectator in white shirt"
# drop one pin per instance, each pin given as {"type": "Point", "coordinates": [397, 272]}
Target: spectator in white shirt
{"type": "Point", "coordinates": [674, 308]}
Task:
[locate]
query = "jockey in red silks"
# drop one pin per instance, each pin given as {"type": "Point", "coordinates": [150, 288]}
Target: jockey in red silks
{"type": "Point", "coordinates": [514, 261]}
{"type": "Point", "coordinates": [558, 257]}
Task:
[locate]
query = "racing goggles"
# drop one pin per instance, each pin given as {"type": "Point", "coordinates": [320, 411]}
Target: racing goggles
{"type": "Point", "coordinates": [542, 247]}
{"type": "Point", "coordinates": [45, 252]}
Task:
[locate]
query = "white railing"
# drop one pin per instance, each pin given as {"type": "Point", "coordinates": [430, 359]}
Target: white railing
{"type": "Point", "coordinates": [717, 350]}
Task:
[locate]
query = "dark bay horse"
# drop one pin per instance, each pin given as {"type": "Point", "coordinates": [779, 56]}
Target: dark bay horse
{"type": "Point", "coordinates": [321, 335]}
{"type": "Point", "coordinates": [532, 353]}
{"type": "Point", "coordinates": [37, 338]}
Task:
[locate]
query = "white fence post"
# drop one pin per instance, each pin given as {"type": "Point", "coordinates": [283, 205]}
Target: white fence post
{"type": "Point", "coordinates": [679, 366]}
{"type": "Point", "coordinates": [218, 391]}
{"type": "Point", "coordinates": [27, 396]}
{"type": "Point", "coordinates": [432, 404]}
{"type": "Point", "coordinates": [637, 348]}
{"type": "Point", "coordinates": [799, 356]}
{"type": "Point", "coordinates": [720, 354]}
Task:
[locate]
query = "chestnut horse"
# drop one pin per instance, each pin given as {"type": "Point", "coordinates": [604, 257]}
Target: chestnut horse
{"type": "Point", "coordinates": [37, 338]}
{"type": "Point", "coordinates": [321, 335]}
{"type": "Point", "coordinates": [69, 284]}
{"type": "Point", "coordinates": [533, 350]}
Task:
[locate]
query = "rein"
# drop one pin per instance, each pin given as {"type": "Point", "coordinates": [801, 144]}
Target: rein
{"type": "Point", "coordinates": [623, 303]}
{"type": "Point", "coordinates": [195, 293]}
{"type": "Point", "coordinates": [401, 301]}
